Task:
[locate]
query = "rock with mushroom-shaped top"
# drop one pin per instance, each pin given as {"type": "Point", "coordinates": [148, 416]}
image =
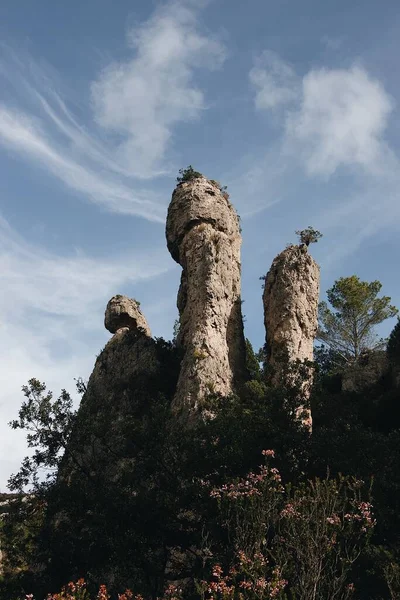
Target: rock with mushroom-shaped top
{"type": "Point", "coordinates": [203, 236]}
{"type": "Point", "coordinates": [127, 365]}
{"type": "Point", "coordinates": [124, 312]}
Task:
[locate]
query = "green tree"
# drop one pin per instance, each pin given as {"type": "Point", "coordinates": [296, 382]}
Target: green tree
{"type": "Point", "coordinates": [393, 347]}
{"type": "Point", "coordinates": [348, 329]}
{"type": "Point", "coordinates": [175, 331]}
{"type": "Point", "coordinates": [48, 424]}
{"type": "Point", "coordinates": [309, 235]}
{"type": "Point", "coordinates": [252, 362]}
{"type": "Point", "coordinates": [188, 174]}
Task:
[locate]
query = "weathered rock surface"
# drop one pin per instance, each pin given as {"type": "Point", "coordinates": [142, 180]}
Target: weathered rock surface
{"type": "Point", "coordinates": [290, 300]}
{"type": "Point", "coordinates": [128, 392]}
{"type": "Point", "coordinates": [123, 312]}
{"type": "Point", "coordinates": [127, 363]}
{"type": "Point", "coordinates": [203, 236]}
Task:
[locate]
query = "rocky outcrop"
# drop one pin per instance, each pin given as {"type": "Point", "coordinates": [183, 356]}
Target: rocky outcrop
{"type": "Point", "coordinates": [129, 353]}
{"type": "Point", "coordinates": [123, 312]}
{"type": "Point", "coordinates": [127, 396]}
{"type": "Point", "coordinates": [203, 236]}
{"type": "Point", "coordinates": [123, 369]}
{"type": "Point", "coordinates": [290, 299]}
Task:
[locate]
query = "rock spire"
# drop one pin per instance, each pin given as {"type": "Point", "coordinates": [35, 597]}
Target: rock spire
{"type": "Point", "coordinates": [203, 236]}
{"type": "Point", "coordinates": [290, 300]}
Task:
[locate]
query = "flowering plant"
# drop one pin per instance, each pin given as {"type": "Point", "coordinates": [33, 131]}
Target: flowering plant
{"type": "Point", "coordinates": [301, 539]}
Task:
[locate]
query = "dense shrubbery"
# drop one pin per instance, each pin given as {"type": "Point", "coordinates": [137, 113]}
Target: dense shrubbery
{"type": "Point", "coordinates": [196, 506]}
{"type": "Point", "coordinates": [393, 347]}
{"type": "Point", "coordinates": [319, 528]}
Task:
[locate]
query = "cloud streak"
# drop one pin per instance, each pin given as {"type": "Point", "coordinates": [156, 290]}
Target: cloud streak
{"type": "Point", "coordinates": [22, 134]}
{"type": "Point", "coordinates": [142, 99]}
{"type": "Point", "coordinates": [135, 106]}
{"type": "Point", "coordinates": [333, 123]}
{"type": "Point", "coordinates": [274, 81]}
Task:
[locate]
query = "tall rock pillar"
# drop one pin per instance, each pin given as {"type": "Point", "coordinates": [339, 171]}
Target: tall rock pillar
{"type": "Point", "coordinates": [203, 236]}
{"type": "Point", "coordinates": [290, 300]}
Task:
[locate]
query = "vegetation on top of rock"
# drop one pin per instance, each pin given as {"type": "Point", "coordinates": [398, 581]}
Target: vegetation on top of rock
{"type": "Point", "coordinates": [188, 174]}
{"type": "Point", "coordinates": [348, 329]}
{"type": "Point", "coordinates": [309, 235]}
{"type": "Point", "coordinates": [222, 188]}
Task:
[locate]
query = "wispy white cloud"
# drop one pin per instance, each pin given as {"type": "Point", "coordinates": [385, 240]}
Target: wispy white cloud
{"type": "Point", "coordinates": [274, 81]}
{"type": "Point", "coordinates": [26, 137]}
{"type": "Point", "coordinates": [135, 104]}
{"type": "Point", "coordinates": [333, 117]}
{"type": "Point", "coordinates": [332, 122]}
{"type": "Point", "coordinates": [341, 121]}
{"type": "Point", "coordinates": [143, 98]}
{"type": "Point", "coordinates": [66, 285]}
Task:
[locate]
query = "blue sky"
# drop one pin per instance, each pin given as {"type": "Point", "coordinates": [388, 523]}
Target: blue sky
{"type": "Point", "coordinates": [293, 105]}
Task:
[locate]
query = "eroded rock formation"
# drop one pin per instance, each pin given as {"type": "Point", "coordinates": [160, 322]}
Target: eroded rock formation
{"type": "Point", "coordinates": [124, 368]}
{"type": "Point", "coordinates": [290, 300]}
{"type": "Point", "coordinates": [123, 312]}
{"type": "Point", "coordinates": [203, 236]}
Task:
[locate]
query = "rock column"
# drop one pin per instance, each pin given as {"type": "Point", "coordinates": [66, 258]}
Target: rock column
{"type": "Point", "coordinates": [290, 300]}
{"type": "Point", "coordinates": [203, 236]}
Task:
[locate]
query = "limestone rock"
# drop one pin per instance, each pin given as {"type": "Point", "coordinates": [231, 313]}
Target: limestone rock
{"type": "Point", "coordinates": [124, 312]}
{"type": "Point", "coordinates": [290, 300]}
{"type": "Point", "coordinates": [127, 363]}
{"type": "Point", "coordinates": [203, 236]}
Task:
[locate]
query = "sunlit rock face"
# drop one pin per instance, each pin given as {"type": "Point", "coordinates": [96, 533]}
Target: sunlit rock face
{"type": "Point", "coordinates": [203, 236]}
{"type": "Point", "coordinates": [290, 300]}
{"type": "Point", "coordinates": [124, 312]}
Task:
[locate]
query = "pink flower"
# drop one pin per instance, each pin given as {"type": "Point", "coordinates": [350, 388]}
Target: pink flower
{"type": "Point", "coordinates": [334, 520]}
{"type": "Point", "coordinates": [217, 571]}
{"type": "Point", "coordinates": [102, 594]}
{"type": "Point", "coordinates": [246, 585]}
{"type": "Point", "coordinates": [290, 512]}
{"type": "Point", "coordinates": [269, 453]}
{"type": "Point", "coordinates": [243, 559]}
{"type": "Point", "coordinates": [261, 583]}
